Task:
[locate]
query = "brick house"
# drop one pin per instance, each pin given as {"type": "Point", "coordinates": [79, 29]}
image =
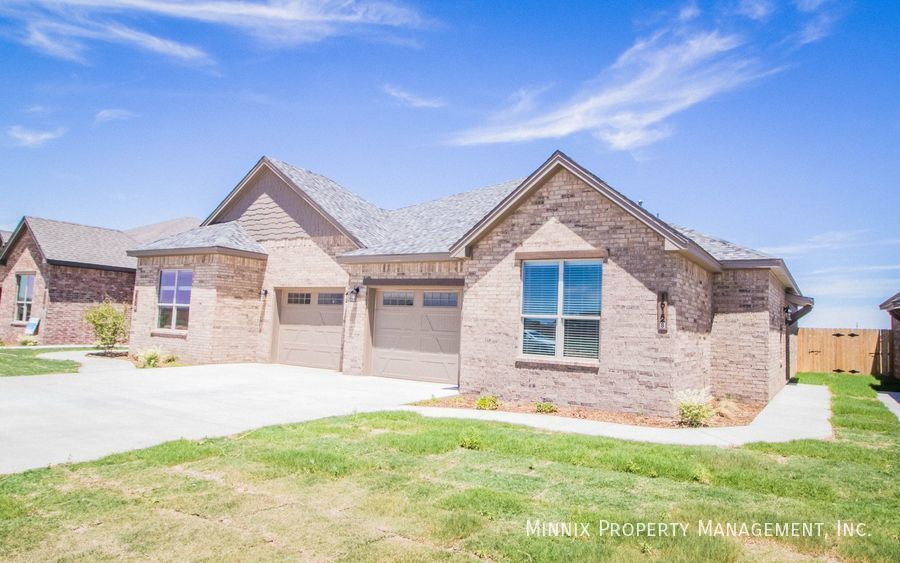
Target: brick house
{"type": "Point", "coordinates": [892, 306]}
{"type": "Point", "coordinates": [54, 271]}
{"type": "Point", "coordinates": [556, 287]}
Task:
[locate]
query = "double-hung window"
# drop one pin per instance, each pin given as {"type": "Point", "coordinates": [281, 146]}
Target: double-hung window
{"type": "Point", "coordinates": [561, 308]}
{"type": "Point", "coordinates": [174, 305]}
{"type": "Point", "coordinates": [24, 296]}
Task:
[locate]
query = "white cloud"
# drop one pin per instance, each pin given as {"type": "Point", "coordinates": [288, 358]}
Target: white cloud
{"type": "Point", "coordinates": [831, 240]}
{"type": "Point", "coordinates": [818, 28]}
{"type": "Point", "coordinates": [412, 100]}
{"type": "Point", "coordinates": [111, 114]}
{"type": "Point", "coordinates": [62, 28]}
{"type": "Point", "coordinates": [31, 138]}
{"type": "Point", "coordinates": [628, 106]}
{"type": "Point", "coordinates": [856, 269]}
{"type": "Point", "coordinates": [809, 5]}
{"type": "Point", "coordinates": [758, 10]}
{"type": "Point", "coordinates": [688, 12]}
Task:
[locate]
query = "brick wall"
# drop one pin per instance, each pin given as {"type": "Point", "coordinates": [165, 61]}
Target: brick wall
{"type": "Point", "coordinates": [749, 347]}
{"type": "Point", "coordinates": [72, 292]}
{"type": "Point", "coordinates": [895, 356]}
{"type": "Point", "coordinates": [691, 316]}
{"type": "Point", "coordinates": [24, 257]}
{"type": "Point", "coordinates": [637, 364]}
{"type": "Point", "coordinates": [224, 313]}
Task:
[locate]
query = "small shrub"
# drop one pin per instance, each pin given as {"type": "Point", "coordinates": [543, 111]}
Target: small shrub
{"type": "Point", "coordinates": [694, 407]}
{"type": "Point", "coordinates": [487, 403]}
{"type": "Point", "coordinates": [28, 341]}
{"type": "Point", "coordinates": [701, 475]}
{"type": "Point", "coordinates": [545, 408]}
{"type": "Point", "coordinates": [149, 358]}
{"type": "Point", "coordinates": [470, 442]}
{"type": "Point", "coordinates": [108, 324]}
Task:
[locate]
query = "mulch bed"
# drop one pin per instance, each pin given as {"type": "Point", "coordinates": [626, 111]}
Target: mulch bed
{"type": "Point", "coordinates": [727, 412]}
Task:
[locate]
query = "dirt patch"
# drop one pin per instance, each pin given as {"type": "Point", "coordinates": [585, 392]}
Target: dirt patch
{"type": "Point", "coordinates": [727, 412]}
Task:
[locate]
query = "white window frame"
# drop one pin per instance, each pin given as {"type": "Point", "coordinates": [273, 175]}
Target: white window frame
{"type": "Point", "coordinates": [28, 303]}
{"type": "Point", "coordinates": [439, 305]}
{"type": "Point", "coordinates": [559, 317]}
{"type": "Point", "coordinates": [174, 305]}
{"type": "Point", "coordinates": [304, 298]}
{"type": "Point", "coordinates": [411, 292]}
{"type": "Point", "coordinates": [319, 298]}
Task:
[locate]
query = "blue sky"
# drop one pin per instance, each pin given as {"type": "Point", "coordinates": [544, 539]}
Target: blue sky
{"type": "Point", "coordinates": [771, 124]}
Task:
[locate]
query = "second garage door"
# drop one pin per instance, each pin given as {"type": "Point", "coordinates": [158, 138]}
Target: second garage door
{"type": "Point", "coordinates": [310, 327]}
{"type": "Point", "coordinates": [416, 334]}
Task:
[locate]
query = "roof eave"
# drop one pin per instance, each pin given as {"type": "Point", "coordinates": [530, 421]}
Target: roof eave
{"type": "Point", "coordinates": [379, 258]}
{"type": "Point", "coordinates": [893, 302]}
{"type": "Point", "coordinates": [777, 265]}
{"type": "Point", "coordinates": [138, 253]}
{"type": "Point", "coordinates": [12, 238]}
{"type": "Point", "coordinates": [88, 265]}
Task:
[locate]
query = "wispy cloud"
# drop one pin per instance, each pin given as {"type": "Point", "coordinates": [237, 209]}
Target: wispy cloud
{"type": "Point", "coordinates": [832, 240]}
{"type": "Point", "coordinates": [758, 10]}
{"type": "Point", "coordinates": [857, 269]}
{"type": "Point", "coordinates": [692, 58]}
{"type": "Point", "coordinates": [412, 100]}
{"type": "Point", "coordinates": [112, 114]}
{"type": "Point", "coordinates": [64, 28]}
{"type": "Point", "coordinates": [31, 138]}
{"type": "Point", "coordinates": [628, 106]}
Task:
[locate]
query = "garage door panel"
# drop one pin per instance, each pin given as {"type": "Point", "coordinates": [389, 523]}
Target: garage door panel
{"type": "Point", "coordinates": [310, 334]}
{"type": "Point", "coordinates": [416, 342]}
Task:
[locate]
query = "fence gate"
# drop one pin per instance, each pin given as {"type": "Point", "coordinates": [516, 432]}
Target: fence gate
{"type": "Point", "coordinates": [844, 350]}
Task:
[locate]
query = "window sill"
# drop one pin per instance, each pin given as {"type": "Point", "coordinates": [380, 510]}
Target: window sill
{"type": "Point", "coordinates": [18, 323]}
{"type": "Point", "coordinates": [168, 333]}
{"type": "Point", "coordinates": [561, 364]}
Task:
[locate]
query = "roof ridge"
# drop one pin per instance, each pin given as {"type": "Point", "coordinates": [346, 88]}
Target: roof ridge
{"type": "Point", "coordinates": [324, 177]}
{"type": "Point", "coordinates": [76, 224]}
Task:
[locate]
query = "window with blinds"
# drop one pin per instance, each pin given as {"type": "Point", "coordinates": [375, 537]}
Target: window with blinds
{"type": "Point", "coordinates": [561, 305]}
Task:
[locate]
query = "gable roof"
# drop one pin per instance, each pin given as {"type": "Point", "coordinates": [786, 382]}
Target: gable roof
{"type": "Point", "coordinates": [71, 244]}
{"type": "Point", "coordinates": [893, 303]}
{"type": "Point", "coordinates": [443, 228]}
{"type": "Point", "coordinates": [228, 238]}
{"type": "Point", "coordinates": [156, 231]}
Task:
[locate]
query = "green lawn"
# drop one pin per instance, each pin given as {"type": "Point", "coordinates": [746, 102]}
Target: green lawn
{"type": "Point", "coordinates": [396, 486]}
{"type": "Point", "coordinates": [23, 361]}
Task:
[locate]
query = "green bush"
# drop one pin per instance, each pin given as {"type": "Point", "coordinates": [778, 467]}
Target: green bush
{"type": "Point", "coordinates": [487, 403]}
{"type": "Point", "coordinates": [28, 341]}
{"type": "Point", "coordinates": [470, 442]}
{"type": "Point", "coordinates": [108, 324]}
{"type": "Point", "coordinates": [149, 358]}
{"type": "Point", "coordinates": [694, 407]}
{"type": "Point", "coordinates": [545, 408]}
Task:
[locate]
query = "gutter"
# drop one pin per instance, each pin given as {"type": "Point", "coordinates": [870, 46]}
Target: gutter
{"type": "Point", "coordinates": [196, 250]}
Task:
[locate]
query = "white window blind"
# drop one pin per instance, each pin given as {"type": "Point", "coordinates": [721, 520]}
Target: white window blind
{"type": "Point", "coordinates": [561, 304]}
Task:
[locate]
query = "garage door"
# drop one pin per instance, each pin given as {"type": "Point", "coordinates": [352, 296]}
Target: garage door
{"type": "Point", "coordinates": [310, 327]}
{"type": "Point", "coordinates": [416, 334]}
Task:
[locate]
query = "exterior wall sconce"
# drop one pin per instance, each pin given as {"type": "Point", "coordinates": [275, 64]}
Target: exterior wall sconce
{"type": "Point", "coordinates": [263, 293]}
{"type": "Point", "coordinates": [352, 294]}
{"type": "Point", "coordinates": [662, 311]}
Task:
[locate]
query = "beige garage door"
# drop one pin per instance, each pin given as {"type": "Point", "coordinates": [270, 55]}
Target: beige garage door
{"type": "Point", "coordinates": [310, 326]}
{"type": "Point", "coordinates": [416, 334]}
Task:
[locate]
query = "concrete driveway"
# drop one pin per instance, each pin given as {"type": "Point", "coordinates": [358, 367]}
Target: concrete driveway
{"type": "Point", "coordinates": [48, 419]}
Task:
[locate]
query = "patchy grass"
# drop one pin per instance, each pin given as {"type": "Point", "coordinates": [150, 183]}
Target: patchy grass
{"type": "Point", "coordinates": [24, 361]}
{"type": "Point", "coordinates": [397, 486]}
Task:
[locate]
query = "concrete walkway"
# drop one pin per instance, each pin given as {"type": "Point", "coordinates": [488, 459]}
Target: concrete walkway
{"type": "Point", "coordinates": [798, 412]}
{"type": "Point", "coordinates": [891, 400]}
{"type": "Point", "coordinates": [91, 364]}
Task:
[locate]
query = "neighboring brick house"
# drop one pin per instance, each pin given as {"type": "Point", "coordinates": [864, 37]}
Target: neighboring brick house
{"type": "Point", "coordinates": [556, 287]}
{"type": "Point", "coordinates": [54, 271]}
{"type": "Point", "coordinates": [892, 306]}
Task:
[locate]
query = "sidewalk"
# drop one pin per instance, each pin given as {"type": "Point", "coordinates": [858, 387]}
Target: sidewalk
{"type": "Point", "coordinates": [798, 412]}
{"type": "Point", "coordinates": [891, 400]}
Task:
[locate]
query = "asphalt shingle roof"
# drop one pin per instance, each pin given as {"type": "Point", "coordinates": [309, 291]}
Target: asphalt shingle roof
{"type": "Point", "coordinates": [4, 236]}
{"type": "Point", "coordinates": [433, 226]}
{"type": "Point", "coordinates": [892, 303]}
{"type": "Point", "coordinates": [229, 235]}
{"type": "Point", "coordinates": [721, 249]}
{"type": "Point", "coordinates": [60, 241]}
{"type": "Point", "coordinates": [364, 220]}
{"type": "Point", "coordinates": [156, 231]}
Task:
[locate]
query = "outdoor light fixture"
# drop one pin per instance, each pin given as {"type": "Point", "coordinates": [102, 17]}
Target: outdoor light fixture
{"type": "Point", "coordinates": [263, 293]}
{"type": "Point", "coordinates": [353, 293]}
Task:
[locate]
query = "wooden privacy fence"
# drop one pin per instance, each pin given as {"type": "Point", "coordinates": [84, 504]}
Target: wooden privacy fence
{"type": "Point", "coordinates": [844, 350]}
